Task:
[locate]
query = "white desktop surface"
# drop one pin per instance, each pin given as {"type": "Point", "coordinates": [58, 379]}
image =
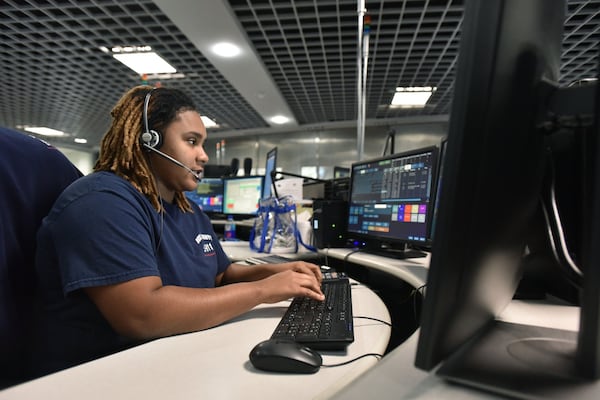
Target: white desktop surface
{"type": "Point", "coordinates": [214, 364]}
{"type": "Point", "coordinates": [239, 250]}
{"type": "Point", "coordinates": [396, 377]}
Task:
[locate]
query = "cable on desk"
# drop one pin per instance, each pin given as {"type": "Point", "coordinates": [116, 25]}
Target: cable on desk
{"type": "Point", "coordinates": [376, 355]}
{"type": "Point", "coordinates": [374, 319]}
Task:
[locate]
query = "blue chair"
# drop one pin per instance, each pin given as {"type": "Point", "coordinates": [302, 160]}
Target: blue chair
{"type": "Point", "coordinates": [32, 175]}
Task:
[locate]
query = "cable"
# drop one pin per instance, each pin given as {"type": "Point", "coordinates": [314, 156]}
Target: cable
{"type": "Point", "coordinates": [374, 319]}
{"type": "Point", "coordinates": [376, 355]}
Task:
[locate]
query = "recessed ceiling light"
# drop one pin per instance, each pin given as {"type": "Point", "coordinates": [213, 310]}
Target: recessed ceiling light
{"type": "Point", "coordinates": [226, 49]}
{"type": "Point", "coordinates": [145, 63]}
{"type": "Point", "coordinates": [279, 119]}
{"type": "Point", "coordinates": [412, 97]}
{"type": "Point", "coordinates": [208, 123]}
{"type": "Point", "coordinates": [44, 131]}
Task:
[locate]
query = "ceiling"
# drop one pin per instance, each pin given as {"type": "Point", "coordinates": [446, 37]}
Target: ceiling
{"type": "Point", "coordinates": [299, 58]}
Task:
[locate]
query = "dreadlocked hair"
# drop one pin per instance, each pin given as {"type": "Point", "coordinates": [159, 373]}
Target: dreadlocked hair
{"type": "Point", "coordinates": [121, 150]}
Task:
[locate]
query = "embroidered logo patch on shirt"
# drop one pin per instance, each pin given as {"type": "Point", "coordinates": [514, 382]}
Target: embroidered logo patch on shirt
{"type": "Point", "coordinates": [206, 242]}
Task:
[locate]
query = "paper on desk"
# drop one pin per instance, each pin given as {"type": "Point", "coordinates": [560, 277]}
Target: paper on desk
{"type": "Point", "coordinates": [291, 187]}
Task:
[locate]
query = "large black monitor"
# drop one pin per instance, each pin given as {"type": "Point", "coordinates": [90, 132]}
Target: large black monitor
{"type": "Point", "coordinates": [390, 204]}
{"type": "Point", "coordinates": [208, 195]}
{"type": "Point", "coordinates": [270, 166]}
{"type": "Point", "coordinates": [493, 178]}
{"type": "Point", "coordinates": [241, 195]}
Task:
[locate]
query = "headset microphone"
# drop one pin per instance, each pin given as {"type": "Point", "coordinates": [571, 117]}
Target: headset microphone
{"type": "Point", "coordinates": [197, 175]}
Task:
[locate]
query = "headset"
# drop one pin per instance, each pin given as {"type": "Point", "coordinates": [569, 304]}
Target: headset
{"type": "Point", "coordinates": [152, 140]}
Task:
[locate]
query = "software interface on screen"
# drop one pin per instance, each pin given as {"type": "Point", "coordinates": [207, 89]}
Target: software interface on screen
{"type": "Point", "coordinates": [390, 197]}
{"type": "Point", "coordinates": [241, 195]}
{"type": "Point", "coordinates": [208, 195]}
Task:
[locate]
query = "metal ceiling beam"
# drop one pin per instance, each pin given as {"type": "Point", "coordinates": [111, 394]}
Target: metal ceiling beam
{"type": "Point", "coordinates": [211, 21]}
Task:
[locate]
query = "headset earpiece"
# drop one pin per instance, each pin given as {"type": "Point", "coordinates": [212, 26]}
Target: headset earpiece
{"type": "Point", "coordinates": [149, 136]}
{"type": "Point", "coordinates": [152, 138]}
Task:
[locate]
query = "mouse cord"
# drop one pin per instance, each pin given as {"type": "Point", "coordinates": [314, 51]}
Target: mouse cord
{"type": "Point", "coordinates": [374, 319]}
{"type": "Point", "coordinates": [376, 355]}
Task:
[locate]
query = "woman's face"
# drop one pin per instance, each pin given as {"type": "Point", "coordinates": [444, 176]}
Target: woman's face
{"type": "Point", "coordinates": [183, 140]}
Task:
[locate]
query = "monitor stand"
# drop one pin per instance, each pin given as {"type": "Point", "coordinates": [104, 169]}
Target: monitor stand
{"type": "Point", "coordinates": [521, 361]}
{"type": "Point", "coordinates": [397, 252]}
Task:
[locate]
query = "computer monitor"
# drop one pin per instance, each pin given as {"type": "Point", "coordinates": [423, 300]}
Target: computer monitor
{"type": "Point", "coordinates": [270, 166]}
{"type": "Point", "coordinates": [216, 171]}
{"type": "Point", "coordinates": [391, 202]}
{"type": "Point", "coordinates": [241, 195]}
{"type": "Point", "coordinates": [340, 172]}
{"type": "Point", "coordinates": [438, 186]}
{"type": "Point", "coordinates": [208, 195]}
{"type": "Point", "coordinates": [495, 162]}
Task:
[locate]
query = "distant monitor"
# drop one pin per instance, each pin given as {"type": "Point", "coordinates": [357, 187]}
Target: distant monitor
{"type": "Point", "coordinates": [270, 166]}
{"type": "Point", "coordinates": [216, 171]}
{"type": "Point", "coordinates": [493, 174]}
{"type": "Point", "coordinates": [391, 202]}
{"type": "Point", "coordinates": [241, 195]}
{"type": "Point", "coordinates": [208, 195]}
{"type": "Point", "coordinates": [340, 172]}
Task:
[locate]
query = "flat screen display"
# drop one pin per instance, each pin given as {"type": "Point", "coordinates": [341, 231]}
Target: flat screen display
{"type": "Point", "coordinates": [391, 198]}
{"type": "Point", "coordinates": [271, 165]}
{"type": "Point", "coordinates": [208, 195]}
{"type": "Point", "coordinates": [242, 194]}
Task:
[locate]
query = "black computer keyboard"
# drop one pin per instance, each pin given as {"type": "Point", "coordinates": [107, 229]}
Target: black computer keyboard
{"type": "Point", "coordinates": [321, 325]}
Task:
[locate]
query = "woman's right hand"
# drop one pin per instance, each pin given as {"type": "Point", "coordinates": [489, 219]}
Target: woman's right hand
{"type": "Point", "coordinates": [287, 284]}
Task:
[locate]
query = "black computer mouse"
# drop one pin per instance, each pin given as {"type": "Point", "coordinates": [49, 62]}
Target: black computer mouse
{"type": "Point", "coordinates": [279, 355]}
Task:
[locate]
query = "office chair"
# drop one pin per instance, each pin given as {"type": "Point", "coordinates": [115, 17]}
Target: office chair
{"type": "Point", "coordinates": [235, 166]}
{"type": "Point", "coordinates": [247, 166]}
{"type": "Point", "coordinates": [32, 175]}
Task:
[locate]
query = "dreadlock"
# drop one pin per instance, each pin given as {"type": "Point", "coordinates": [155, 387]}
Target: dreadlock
{"type": "Point", "coordinates": [121, 151]}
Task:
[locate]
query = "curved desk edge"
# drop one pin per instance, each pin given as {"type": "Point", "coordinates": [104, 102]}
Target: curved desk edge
{"type": "Point", "coordinates": [411, 270]}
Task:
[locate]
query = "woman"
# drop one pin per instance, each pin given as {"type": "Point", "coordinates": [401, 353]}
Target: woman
{"type": "Point", "coordinates": [123, 258]}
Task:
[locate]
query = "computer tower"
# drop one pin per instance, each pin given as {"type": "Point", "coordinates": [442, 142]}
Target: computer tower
{"type": "Point", "coordinates": [329, 223]}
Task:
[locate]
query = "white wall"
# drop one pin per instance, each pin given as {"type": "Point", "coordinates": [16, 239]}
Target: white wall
{"type": "Point", "coordinates": [82, 159]}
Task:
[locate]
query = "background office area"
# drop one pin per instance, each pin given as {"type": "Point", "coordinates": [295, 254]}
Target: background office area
{"type": "Point", "coordinates": [296, 84]}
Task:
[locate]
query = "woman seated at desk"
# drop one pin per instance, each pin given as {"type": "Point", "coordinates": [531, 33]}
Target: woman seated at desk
{"type": "Point", "coordinates": [122, 256]}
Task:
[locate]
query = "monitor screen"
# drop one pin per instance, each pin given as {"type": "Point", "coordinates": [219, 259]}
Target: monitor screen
{"type": "Point", "coordinates": [270, 166]}
{"type": "Point", "coordinates": [241, 195]}
{"type": "Point", "coordinates": [391, 201]}
{"type": "Point", "coordinates": [208, 195]}
{"type": "Point", "coordinates": [493, 177]}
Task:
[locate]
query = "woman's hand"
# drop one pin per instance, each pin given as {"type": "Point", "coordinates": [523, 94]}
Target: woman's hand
{"type": "Point", "coordinates": [299, 281]}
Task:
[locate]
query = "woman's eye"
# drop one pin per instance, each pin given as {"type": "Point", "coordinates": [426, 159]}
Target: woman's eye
{"type": "Point", "coordinates": [192, 141]}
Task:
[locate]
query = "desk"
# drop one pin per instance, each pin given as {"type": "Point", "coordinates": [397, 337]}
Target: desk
{"type": "Point", "coordinates": [214, 364]}
{"type": "Point", "coordinates": [396, 377]}
{"type": "Point", "coordinates": [411, 270]}
{"type": "Point", "coordinates": [239, 250]}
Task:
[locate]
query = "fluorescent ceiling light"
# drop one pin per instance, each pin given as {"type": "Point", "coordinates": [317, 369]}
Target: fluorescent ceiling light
{"type": "Point", "coordinates": [225, 49]}
{"type": "Point", "coordinates": [80, 140]}
{"type": "Point", "coordinates": [279, 119]}
{"type": "Point", "coordinates": [412, 97]}
{"type": "Point", "coordinates": [44, 131]}
{"type": "Point", "coordinates": [145, 63]}
{"type": "Point", "coordinates": [208, 123]}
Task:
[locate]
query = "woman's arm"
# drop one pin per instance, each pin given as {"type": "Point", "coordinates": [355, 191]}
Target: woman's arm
{"type": "Point", "coordinates": [143, 308]}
